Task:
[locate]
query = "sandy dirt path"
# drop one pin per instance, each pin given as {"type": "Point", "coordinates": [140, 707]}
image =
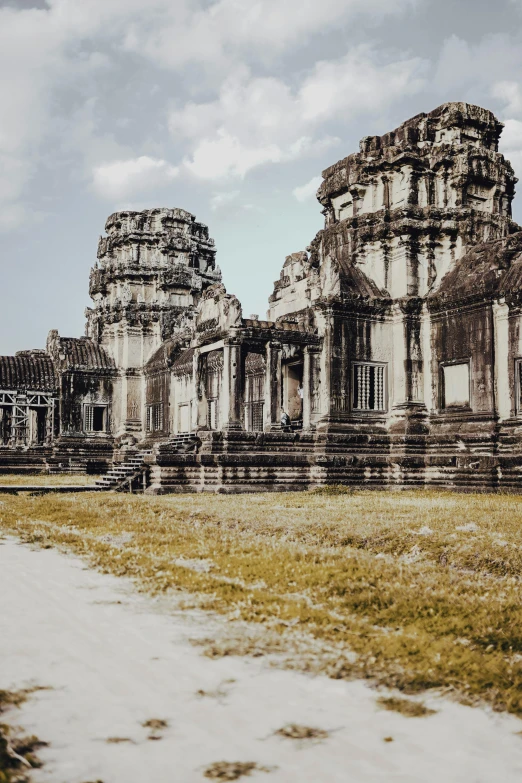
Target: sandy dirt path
{"type": "Point", "coordinates": [115, 659]}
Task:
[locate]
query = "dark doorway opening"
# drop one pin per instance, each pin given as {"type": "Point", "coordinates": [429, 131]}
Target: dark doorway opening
{"type": "Point", "coordinates": [41, 425]}
{"type": "Point", "coordinates": [98, 418]}
{"type": "Point", "coordinates": [5, 425]}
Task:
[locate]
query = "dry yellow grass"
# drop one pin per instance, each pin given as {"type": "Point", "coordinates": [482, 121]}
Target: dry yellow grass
{"type": "Point", "coordinates": [232, 770]}
{"type": "Point", "coordinates": [17, 752]}
{"type": "Point", "coordinates": [406, 707]}
{"type": "Point", "coordinates": [415, 590]}
{"type": "Point", "coordinates": [297, 732]}
{"type": "Point", "coordinates": [46, 480]}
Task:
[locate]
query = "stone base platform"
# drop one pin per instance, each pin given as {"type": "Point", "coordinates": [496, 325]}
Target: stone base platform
{"type": "Point", "coordinates": [238, 462]}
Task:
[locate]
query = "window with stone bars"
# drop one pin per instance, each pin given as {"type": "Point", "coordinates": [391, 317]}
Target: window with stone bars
{"type": "Point", "coordinates": [158, 417]}
{"type": "Point", "coordinates": [88, 416]}
{"type": "Point", "coordinates": [94, 418]}
{"type": "Point", "coordinates": [155, 417]}
{"type": "Point", "coordinates": [369, 387]}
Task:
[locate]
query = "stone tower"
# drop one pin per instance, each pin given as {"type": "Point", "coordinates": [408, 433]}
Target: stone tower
{"type": "Point", "coordinates": [405, 208]}
{"type": "Point", "coordinates": [409, 203]}
{"type": "Point", "coordinates": [399, 214]}
{"type": "Point", "coordinates": [152, 268]}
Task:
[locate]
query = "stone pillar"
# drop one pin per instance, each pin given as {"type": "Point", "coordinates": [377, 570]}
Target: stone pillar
{"type": "Point", "coordinates": [307, 387]}
{"type": "Point", "coordinates": [502, 374]}
{"type": "Point", "coordinates": [232, 386]}
{"type": "Point", "coordinates": [427, 378]}
{"type": "Point", "coordinates": [195, 422]}
{"type": "Point", "coordinates": [273, 386]}
{"type": "Point", "coordinates": [397, 381]}
{"type": "Point", "coordinates": [326, 408]}
{"type": "Point", "coordinates": [408, 411]}
{"type": "Point", "coordinates": [309, 384]}
{"type": "Point", "coordinates": [49, 424]}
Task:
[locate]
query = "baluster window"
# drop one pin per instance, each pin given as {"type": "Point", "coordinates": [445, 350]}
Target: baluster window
{"type": "Point", "coordinates": [369, 387]}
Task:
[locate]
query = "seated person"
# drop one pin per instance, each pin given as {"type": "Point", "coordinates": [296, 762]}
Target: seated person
{"type": "Point", "coordinates": [285, 420]}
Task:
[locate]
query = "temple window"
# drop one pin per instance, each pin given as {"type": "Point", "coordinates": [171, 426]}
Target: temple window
{"type": "Point", "coordinates": [369, 387]}
{"type": "Point", "coordinates": [155, 417]}
{"type": "Point", "coordinates": [456, 385]}
{"type": "Point", "coordinates": [254, 391]}
{"type": "Point", "coordinates": [95, 418]}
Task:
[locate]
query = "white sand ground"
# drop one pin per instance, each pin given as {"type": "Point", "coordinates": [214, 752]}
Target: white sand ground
{"type": "Point", "coordinates": [115, 659]}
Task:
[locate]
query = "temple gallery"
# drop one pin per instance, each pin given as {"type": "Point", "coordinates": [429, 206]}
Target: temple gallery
{"type": "Point", "coordinates": [390, 354]}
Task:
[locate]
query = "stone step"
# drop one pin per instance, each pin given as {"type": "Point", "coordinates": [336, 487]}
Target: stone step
{"type": "Point", "coordinates": [125, 470]}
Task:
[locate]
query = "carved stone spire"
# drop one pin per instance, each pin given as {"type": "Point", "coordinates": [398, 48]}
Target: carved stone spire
{"type": "Point", "coordinates": [152, 268]}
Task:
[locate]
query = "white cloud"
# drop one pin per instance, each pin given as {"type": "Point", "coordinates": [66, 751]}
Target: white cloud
{"type": "Point", "coordinates": [509, 94]}
{"type": "Point", "coordinates": [227, 30]}
{"type": "Point", "coordinates": [124, 178]}
{"type": "Point", "coordinates": [512, 135]}
{"type": "Point", "coordinates": [357, 83]}
{"type": "Point", "coordinates": [45, 52]}
{"type": "Point", "coordinates": [464, 67]}
{"type": "Point", "coordinates": [511, 143]}
{"type": "Point", "coordinates": [226, 156]}
{"type": "Point", "coordinates": [307, 191]}
{"type": "Point", "coordinates": [223, 199]}
{"type": "Point", "coordinates": [12, 216]}
{"type": "Point", "coordinates": [259, 120]}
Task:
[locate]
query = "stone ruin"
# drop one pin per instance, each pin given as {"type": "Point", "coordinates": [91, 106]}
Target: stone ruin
{"type": "Point", "coordinates": [391, 354]}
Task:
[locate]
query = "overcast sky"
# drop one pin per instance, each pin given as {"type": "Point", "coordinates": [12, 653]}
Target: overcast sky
{"type": "Point", "coordinates": [227, 108]}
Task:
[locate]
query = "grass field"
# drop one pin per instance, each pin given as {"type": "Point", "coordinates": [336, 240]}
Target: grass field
{"type": "Point", "coordinates": [413, 590]}
{"type": "Point", "coordinates": [46, 480]}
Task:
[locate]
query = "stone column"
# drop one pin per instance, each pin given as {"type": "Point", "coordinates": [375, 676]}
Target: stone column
{"type": "Point", "coordinates": [427, 375]}
{"type": "Point", "coordinates": [49, 424]}
{"type": "Point", "coordinates": [311, 384]}
{"type": "Point", "coordinates": [194, 403]}
{"type": "Point", "coordinates": [326, 406]}
{"type": "Point", "coordinates": [232, 386]}
{"type": "Point", "coordinates": [307, 388]}
{"type": "Point", "coordinates": [273, 386]}
{"type": "Point", "coordinates": [408, 412]}
{"type": "Point", "coordinates": [502, 374]}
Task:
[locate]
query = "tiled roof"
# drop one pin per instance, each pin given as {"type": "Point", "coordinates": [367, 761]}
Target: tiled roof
{"type": "Point", "coordinates": [31, 370]}
{"type": "Point", "coordinates": [484, 272]}
{"type": "Point", "coordinates": [163, 356]}
{"type": "Point", "coordinates": [183, 364]}
{"type": "Point", "coordinates": [83, 353]}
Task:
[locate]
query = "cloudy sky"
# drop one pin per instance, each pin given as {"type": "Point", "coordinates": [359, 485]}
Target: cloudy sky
{"type": "Point", "coordinates": [227, 108]}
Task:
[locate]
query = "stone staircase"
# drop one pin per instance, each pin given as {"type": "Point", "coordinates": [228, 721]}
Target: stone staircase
{"type": "Point", "coordinates": [123, 475]}
{"type": "Point", "coordinates": [184, 443]}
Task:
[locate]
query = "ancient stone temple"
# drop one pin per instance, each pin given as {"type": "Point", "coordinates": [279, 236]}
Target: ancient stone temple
{"type": "Point", "coordinates": [390, 356]}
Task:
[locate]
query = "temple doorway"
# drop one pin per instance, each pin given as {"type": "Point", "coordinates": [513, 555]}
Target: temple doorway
{"type": "Point", "coordinates": [37, 426]}
{"type": "Point", "coordinates": [292, 389]}
{"type": "Point", "coordinates": [5, 425]}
